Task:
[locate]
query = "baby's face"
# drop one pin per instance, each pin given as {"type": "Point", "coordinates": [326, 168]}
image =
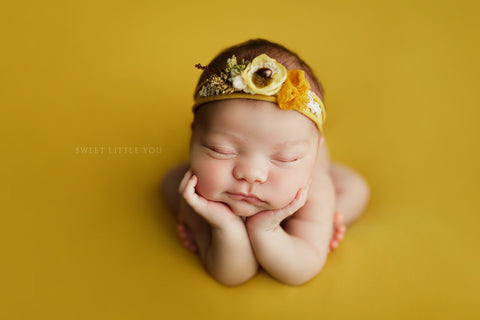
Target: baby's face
{"type": "Point", "coordinates": [251, 155]}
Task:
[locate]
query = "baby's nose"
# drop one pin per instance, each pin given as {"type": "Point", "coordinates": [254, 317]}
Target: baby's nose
{"type": "Point", "coordinates": [251, 172]}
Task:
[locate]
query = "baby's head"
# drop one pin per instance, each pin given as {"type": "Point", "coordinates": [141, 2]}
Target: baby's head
{"type": "Point", "coordinates": [257, 127]}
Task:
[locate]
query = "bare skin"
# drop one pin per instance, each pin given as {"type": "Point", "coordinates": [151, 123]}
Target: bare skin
{"type": "Point", "coordinates": [351, 197]}
{"type": "Point", "coordinates": [351, 190]}
{"type": "Point", "coordinates": [262, 195]}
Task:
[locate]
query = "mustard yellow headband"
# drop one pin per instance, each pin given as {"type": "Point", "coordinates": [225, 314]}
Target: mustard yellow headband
{"type": "Point", "coordinates": [262, 79]}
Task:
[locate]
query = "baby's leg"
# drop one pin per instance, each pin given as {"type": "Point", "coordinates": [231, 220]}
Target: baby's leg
{"type": "Point", "coordinates": [352, 192]}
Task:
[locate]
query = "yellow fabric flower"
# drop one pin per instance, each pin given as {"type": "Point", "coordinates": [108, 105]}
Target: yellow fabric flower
{"type": "Point", "coordinates": [264, 75]}
{"type": "Point", "coordinates": [294, 93]}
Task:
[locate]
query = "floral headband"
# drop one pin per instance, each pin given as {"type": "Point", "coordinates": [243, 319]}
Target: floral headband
{"type": "Point", "coordinates": [262, 79]}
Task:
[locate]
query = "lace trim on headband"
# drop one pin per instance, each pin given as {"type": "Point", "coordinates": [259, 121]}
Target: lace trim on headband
{"type": "Point", "coordinates": [313, 105]}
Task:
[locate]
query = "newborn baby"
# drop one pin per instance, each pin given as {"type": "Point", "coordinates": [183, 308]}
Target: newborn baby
{"type": "Point", "coordinates": [259, 189]}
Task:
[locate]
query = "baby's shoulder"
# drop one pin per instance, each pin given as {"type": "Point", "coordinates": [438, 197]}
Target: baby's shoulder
{"type": "Point", "coordinates": [320, 203]}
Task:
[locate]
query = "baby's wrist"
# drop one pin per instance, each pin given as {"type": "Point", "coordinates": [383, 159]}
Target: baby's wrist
{"type": "Point", "coordinates": [229, 230]}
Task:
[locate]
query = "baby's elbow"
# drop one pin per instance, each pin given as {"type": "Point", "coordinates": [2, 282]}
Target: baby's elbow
{"type": "Point", "coordinates": [304, 275]}
{"type": "Point", "coordinates": [301, 279]}
{"type": "Point", "coordinates": [233, 280]}
{"type": "Point", "coordinates": [295, 282]}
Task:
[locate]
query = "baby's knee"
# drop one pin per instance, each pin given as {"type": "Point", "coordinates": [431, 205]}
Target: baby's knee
{"type": "Point", "coordinates": [362, 187]}
{"type": "Point", "coordinates": [351, 184]}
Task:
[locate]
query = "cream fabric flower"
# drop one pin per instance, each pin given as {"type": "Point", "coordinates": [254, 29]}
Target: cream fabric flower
{"type": "Point", "coordinates": [264, 75]}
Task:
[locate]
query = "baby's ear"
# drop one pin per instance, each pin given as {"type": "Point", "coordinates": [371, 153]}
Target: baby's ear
{"type": "Point", "coordinates": [322, 139]}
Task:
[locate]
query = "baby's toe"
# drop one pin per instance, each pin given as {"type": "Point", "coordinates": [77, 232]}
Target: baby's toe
{"type": "Point", "coordinates": [334, 244]}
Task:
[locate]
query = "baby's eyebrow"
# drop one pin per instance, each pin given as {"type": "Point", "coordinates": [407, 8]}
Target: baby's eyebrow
{"type": "Point", "coordinates": [224, 134]}
{"type": "Point", "coordinates": [291, 144]}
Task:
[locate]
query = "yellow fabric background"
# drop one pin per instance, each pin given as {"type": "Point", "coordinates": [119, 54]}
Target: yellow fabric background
{"type": "Point", "coordinates": [87, 236]}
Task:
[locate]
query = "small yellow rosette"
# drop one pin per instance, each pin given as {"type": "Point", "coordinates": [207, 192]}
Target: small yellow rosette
{"type": "Point", "coordinates": [294, 93]}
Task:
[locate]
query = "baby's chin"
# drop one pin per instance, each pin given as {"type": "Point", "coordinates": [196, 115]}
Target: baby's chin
{"type": "Point", "coordinates": [244, 209]}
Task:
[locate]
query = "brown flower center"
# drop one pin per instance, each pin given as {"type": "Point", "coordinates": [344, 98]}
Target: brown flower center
{"type": "Point", "coordinates": [262, 77]}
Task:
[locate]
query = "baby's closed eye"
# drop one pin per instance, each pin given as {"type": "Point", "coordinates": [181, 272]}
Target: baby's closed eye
{"type": "Point", "coordinates": [290, 153]}
{"type": "Point", "coordinates": [221, 152]}
{"type": "Point", "coordinates": [286, 158]}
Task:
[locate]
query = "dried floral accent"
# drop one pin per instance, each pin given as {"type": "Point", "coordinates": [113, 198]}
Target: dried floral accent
{"type": "Point", "coordinates": [233, 67]}
{"type": "Point", "coordinates": [204, 68]}
{"type": "Point", "coordinates": [226, 82]}
{"type": "Point", "coordinates": [216, 85]}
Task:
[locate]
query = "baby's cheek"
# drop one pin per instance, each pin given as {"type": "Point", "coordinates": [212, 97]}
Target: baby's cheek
{"type": "Point", "coordinates": [210, 181]}
{"type": "Point", "coordinates": [285, 189]}
{"type": "Point", "coordinates": [281, 194]}
{"type": "Point", "coordinates": [206, 187]}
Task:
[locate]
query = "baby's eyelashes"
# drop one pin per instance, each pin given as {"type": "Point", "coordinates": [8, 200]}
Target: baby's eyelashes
{"type": "Point", "coordinates": [284, 163]}
{"type": "Point", "coordinates": [289, 155]}
{"type": "Point", "coordinates": [286, 159]}
{"type": "Point", "coordinates": [221, 152]}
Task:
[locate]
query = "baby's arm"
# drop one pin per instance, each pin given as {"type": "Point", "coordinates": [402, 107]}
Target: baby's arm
{"type": "Point", "coordinates": [297, 252]}
{"type": "Point", "coordinates": [221, 236]}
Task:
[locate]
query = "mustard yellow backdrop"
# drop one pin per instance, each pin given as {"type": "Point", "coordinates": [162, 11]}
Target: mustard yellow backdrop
{"type": "Point", "coordinates": [95, 101]}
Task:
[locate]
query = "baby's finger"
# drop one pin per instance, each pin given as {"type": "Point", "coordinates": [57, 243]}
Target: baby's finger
{"type": "Point", "coordinates": [189, 189]}
{"type": "Point", "coordinates": [191, 197]}
{"type": "Point", "coordinates": [292, 207]}
{"type": "Point", "coordinates": [184, 181]}
{"type": "Point", "coordinates": [300, 199]}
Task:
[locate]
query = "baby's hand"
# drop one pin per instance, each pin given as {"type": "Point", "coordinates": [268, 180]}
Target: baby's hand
{"type": "Point", "coordinates": [215, 213]}
{"type": "Point", "coordinates": [271, 219]}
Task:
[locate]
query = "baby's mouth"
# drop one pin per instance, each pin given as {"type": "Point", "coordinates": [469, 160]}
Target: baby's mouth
{"type": "Point", "coordinates": [250, 198]}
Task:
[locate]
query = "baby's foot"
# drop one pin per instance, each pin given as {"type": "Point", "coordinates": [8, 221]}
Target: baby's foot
{"type": "Point", "coordinates": [186, 236]}
{"type": "Point", "coordinates": [338, 232]}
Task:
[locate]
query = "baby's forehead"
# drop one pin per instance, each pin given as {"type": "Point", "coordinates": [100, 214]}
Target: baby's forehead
{"type": "Point", "coordinates": [253, 118]}
{"type": "Point", "coordinates": [236, 110]}
{"type": "Point", "coordinates": [242, 136]}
